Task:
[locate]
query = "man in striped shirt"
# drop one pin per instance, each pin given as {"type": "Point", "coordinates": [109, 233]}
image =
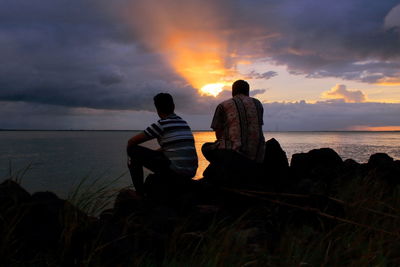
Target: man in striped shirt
{"type": "Point", "coordinates": [238, 124]}
{"type": "Point", "coordinates": [177, 156]}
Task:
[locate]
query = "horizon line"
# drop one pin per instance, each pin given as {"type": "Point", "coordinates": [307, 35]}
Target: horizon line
{"type": "Point", "coordinates": [136, 130]}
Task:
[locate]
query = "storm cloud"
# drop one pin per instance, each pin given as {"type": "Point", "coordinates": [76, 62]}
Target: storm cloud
{"type": "Point", "coordinates": [392, 20]}
{"type": "Point", "coordinates": [104, 55]}
{"type": "Point", "coordinates": [278, 116]}
{"type": "Point", "coordinates": [331, 115]}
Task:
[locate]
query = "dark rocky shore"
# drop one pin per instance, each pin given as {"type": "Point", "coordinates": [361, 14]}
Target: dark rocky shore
{"type": "Point", "coordinates": [260, 203]}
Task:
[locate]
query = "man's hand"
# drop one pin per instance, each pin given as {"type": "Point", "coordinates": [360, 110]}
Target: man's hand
{"type": "Point", "coordinates": [138, 139]}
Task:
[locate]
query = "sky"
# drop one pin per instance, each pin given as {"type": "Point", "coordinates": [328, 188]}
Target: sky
{"type": "Point", "coordinates": [316, 65]}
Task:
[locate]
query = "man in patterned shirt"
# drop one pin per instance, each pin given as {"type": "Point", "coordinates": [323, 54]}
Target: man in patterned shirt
{"type": "Point", "coordinates": [177, 156]}
{"type": "Point", "coordinates": [238, 124]}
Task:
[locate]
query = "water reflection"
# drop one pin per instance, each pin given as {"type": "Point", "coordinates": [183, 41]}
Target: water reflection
{"type": "Point", "coordinates": [201, 138]}
{"type": "Point", "coordinates": [61, 159]}
{"type": "Point", "coordinates": [356, 145]}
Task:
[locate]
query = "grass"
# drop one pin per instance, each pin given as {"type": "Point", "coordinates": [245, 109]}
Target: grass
{"type": "Point", "coordinates": [92, 196]}
{"type": "Point", "coordinates": [89, 197]}
{"type": "Point", "coordinates": [367, 235]}
{"type": "Point", "coordinates": [223, 243]}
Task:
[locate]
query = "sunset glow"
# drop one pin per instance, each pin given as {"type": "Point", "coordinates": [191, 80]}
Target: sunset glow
{"type": "Point", "coordinates": [194, 46]}
{"type": "Point", "coordinates": [212, 89]}
{"type": "Point", "coordinates": [197, 58]}
{"type": "Point", "coordinates": [375, 128]}
{"type": "Point", "coordinates": [389, 81]}
{"type": "Point", "coordinates": [102, 70]}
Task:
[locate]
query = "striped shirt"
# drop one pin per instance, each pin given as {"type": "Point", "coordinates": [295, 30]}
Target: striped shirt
{"type": "Point", "coordinates": [241, 119]}
{"type": "Point", "coordinates": [177, 143]}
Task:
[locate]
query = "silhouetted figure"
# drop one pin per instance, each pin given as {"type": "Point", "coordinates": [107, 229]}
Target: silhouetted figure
{"type": "Point", "coordinates": [176, 160]}
{"type": "Point", "coordinates": [237, 124]}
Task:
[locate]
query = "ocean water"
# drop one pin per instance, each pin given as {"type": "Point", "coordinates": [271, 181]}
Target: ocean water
{"type": "Point", "coordinates": [59, 160]}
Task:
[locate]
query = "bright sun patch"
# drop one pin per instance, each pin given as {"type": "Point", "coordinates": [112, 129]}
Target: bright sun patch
{"type": "Point", "coordinates": [212, 89]}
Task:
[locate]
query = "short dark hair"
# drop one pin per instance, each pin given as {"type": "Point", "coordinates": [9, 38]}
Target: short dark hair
{"type": "Point", "coordinates": [240, 87]}
{"type": "Point", "coordinates": [164, 103]}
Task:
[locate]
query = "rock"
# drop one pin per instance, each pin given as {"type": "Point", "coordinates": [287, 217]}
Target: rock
{"type": "Point", "coordinates": [351, 170]}
{"type": "Point", "coordinates": [397, 164]}
{"type": "Point", "coordinates": [275, 167]}
{"type": "Point", "coordinates": [41, 226]}
{"type": "Point", "coordinates": [351, 164]}
{"type": "Point", "coordinates": [13, 202]}
{"type": "Point", "coordinates": [320, 166]}
{"type": "Point", "coordinates": [165, 189]}
{"type": "Point", "coordinates": [127, 202]}
{"type": "Point", "coordinates": [234, 170]}
{"type": "Point", "coordinates": [12, 195]}
{"type": "Point", "coordinates": [379, 160]}
{"type": "Point", "coordinates": [231, 169]}
{"type": "Point", "coordinates": [323, 157]}
{"type": "Point", "coordinates": [383, 167]}
{"type": "Point", "coordinates": [352, 167]}
{"type": "Point", "coordinates": [275, 157]}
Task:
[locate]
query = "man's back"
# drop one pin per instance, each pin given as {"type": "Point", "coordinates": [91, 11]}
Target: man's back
{"type": "Point", "coordinates": [177, 142]}
{"type": "Point", "coordinates": [240, 119]}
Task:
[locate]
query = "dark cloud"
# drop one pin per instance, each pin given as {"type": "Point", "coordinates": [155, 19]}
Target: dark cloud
{"type": "Point", "coordinates": [392, 20]}
{"type": "Point", "coordinates": [266, 75]}
{"type": "Point", "coordinates": [329, 38]}
{"type": "Point", "coordinates": [328, 116]}
{"type": "Point", "coordinates": [103, 54]}
{"type": "Point", "coordinates": [79, 54]}
{"type": "Point", "coordinates": [257, 92]}
{"type": "Point", "coordinates": [299, 116]}
{"type": "Point", "coordinates": [111, 76]}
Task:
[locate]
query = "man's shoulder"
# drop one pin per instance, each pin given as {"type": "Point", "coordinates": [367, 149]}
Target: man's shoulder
{"type": "Point", "coordinates": [227, 102]}
{"type": "Point", "coordinates": [256, 100]}
{"type": "Point", "coordinates": [172, 120]}
{"type": "Point", "coordinates": [247, 99]}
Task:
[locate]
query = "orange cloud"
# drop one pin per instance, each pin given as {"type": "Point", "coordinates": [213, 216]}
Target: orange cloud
{"type": "Point", "coordinates": [188, 35]}
{"type": "Point", "coordinates": [340, 91]}
{"type": "Point", "coordinates": [389, 81]}
{"type": "Point", "coordinates": [375, 128]}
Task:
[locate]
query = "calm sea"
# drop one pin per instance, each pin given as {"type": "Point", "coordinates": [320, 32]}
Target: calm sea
{"type": "Point", "coordinates": [59, 160]}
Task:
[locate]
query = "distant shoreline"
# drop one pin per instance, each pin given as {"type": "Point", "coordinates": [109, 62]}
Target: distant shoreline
{"type": "Point", "coordinates": [272, 131]}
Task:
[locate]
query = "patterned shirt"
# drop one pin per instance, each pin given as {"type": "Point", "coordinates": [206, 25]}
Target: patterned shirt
{"type": "Point", "coordinates": [241, 119]}
{"type": "Point", "coordinates": [177, 143]}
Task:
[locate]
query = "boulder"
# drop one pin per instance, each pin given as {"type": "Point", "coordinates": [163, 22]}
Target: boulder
{"type": "Point", "coordinates": [352, 169]}
{"type": "Point", "coordinates": [351, 164]}
{"type": "Point", "coordinates": [380, 160]}
{"type": "Point", "coordinates": [126, 203]}
{"type": "Point", "coordinates": [275, 157]}
{"type": "Point", "coordinates": [41, 224]}
{"type": "Point", "coordinates": [12, 195]}
{"type": "Point", "coordinates": [275, 167]}
{"type": "Point", "coordinates": [13, 202]}
{"type": "Point", "coordinates": [166, 188]}
{"type": "Point", "coordinates": [316, 171]}
{"type": "Point", "coordinates": [383, 167]}
{"type": "Point", "coordinates": [233, 170]}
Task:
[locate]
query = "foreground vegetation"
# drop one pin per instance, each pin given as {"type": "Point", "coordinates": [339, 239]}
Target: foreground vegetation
{"type": "Point", "coordinates": [354, 223]}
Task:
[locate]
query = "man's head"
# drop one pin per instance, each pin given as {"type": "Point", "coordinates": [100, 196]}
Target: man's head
{"type": "Point", "coordinates": [164, 104]}
{"type": "Point", "coordinates": [240, 87]}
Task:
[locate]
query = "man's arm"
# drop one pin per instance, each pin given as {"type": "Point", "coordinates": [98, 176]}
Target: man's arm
{"type": "Point", "coordinates": [138, 139]}
{"type": "Point", "coordinates": [218, 122]}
